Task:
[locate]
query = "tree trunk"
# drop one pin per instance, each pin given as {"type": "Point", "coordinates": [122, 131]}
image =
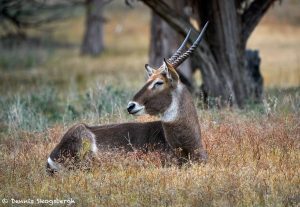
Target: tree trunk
{"type": "Point", "coordinates": [229, 81]}
{"type": "Point", "coordinates": [93, 37]}
{"type": "Point", "coordinates": [253, 69]}
{"type": "Point", "coordinates": [221, 56]}
{"type": "Point", "coordinates": [165, 41]}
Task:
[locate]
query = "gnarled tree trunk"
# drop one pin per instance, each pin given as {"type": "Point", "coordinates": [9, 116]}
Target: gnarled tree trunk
{"type": "Point", "coordinates": [221, 56]}
{"type": "Point", "coordinates": [226, 77]}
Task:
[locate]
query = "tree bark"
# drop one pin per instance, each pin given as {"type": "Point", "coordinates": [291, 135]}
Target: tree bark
{"type": "Point", "coordinates": [165, 41]}
{"type": "Point", "coordinates": [252, 15]}
{"type": "Point", "coordinates": [225, 44]}
{"type": "Point", "coordinates": [253, 69]}
{"type": "Point", "coordinates": [221, 56]}
{"type": "Point", "coordinates": [93, 37]}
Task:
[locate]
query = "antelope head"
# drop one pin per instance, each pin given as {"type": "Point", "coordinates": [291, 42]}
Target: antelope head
{"type": "Point", "coordinates": [163, 83]}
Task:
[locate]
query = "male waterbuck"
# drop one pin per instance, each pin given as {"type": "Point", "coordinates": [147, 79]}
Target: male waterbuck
{"type": "Point", "coordinates": [163, 95]}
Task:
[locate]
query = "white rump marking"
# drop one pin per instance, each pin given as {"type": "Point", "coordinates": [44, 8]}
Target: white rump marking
{"type": "Point", "coordinates": [171, 113]}
{"type": "Point", "coordinates": [52, 164]}
{"type": "Point", "coordinates": [94, 144]}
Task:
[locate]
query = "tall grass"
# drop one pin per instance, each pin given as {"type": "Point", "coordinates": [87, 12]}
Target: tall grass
{"type": "Point", "coordinates": [38, 110]}
{"type": "Point", "coordinates": [253, 161]}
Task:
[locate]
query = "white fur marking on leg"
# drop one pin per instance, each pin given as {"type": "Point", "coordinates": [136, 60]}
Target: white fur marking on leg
{"type": "Point", "coordinates": [52, 164]}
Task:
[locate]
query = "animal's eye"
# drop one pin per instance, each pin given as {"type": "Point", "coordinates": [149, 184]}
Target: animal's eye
{"type": "Point", "coordinates": [158, 83]}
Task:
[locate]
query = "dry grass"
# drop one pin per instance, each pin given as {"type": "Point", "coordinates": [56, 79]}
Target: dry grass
{"type": "Point", "coordinates": [252, 162]}
{"type": "Point", "coordinates": [253, 154]}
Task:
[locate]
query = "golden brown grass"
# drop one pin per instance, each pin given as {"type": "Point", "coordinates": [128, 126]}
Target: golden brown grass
{"type": "Point", "coordinates": [252, 162]}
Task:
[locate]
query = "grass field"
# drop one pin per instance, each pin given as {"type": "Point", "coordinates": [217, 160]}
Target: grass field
{"type": "Point", "coordinates": [46, 87]}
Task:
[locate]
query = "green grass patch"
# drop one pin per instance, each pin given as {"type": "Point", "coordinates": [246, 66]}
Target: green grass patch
{"type": "Point", "coordinates": [40, 109]}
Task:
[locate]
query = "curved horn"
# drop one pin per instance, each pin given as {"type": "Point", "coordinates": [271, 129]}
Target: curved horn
{"type": "Point", "coordinates": [185, 55]}
{"type": "Point", "coordinates": [179, 50]}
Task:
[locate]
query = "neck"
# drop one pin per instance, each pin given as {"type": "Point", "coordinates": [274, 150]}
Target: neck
{"type": "Point", "coordinates": [182, 108]}
{"type": "Point", "coordinates": [173, 111]}
{"type": "Point", "coordinates": [180, 121]}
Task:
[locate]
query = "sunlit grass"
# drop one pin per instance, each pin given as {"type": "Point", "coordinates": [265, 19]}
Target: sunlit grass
{"type": "Point", "coordinates": [252, 161]}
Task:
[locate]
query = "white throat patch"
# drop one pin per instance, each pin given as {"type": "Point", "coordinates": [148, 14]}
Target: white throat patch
{"type": "Point", "coordinates": [171, 113]}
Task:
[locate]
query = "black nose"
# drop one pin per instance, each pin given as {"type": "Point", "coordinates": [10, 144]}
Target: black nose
{"type": "Point", "coordinates": [130, 106]}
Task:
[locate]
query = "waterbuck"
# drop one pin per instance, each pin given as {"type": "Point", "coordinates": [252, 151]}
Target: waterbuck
{"type": "Point", "coordinates": [128, 136]}
{"type": "Point", "coordinates": [163, 95]}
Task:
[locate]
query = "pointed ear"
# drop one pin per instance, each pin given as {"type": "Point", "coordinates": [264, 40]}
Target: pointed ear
{"type": "Point", "coordinates": [171, 72]}
{"type": "Point", "coordinates": [149, 70]}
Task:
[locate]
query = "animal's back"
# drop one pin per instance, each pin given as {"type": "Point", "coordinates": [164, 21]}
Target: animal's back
{"type": "Point", "coordinates": [130, 135]}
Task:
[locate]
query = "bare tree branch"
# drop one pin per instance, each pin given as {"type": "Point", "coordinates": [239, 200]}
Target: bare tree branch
{"type": "Point", "coordinates": [175, 20]}
{"type": "Point", "coordinates": [252, 15]}
{"type": "Point", "coordinates": [32, 13]}
{"type": "Point", "coordinates": [178, 23]}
